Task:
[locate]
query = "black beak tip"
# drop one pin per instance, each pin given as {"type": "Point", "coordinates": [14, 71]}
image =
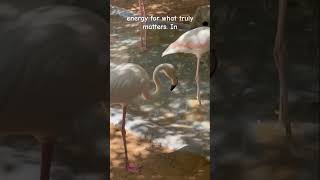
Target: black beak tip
{"type": "Point", "coordinates": [172, 87]}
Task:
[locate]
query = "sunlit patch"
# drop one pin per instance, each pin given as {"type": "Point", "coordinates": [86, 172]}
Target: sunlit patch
{"type": "Point", "coordinates": [157, 162]}
{"type": "Point", "coordinates": [146, 108]}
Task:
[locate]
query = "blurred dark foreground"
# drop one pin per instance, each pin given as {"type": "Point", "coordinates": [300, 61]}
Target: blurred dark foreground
{"type": "Point", "coordinates": [53, 80]}
{"type": "Point", "coordinates": [247, 140]}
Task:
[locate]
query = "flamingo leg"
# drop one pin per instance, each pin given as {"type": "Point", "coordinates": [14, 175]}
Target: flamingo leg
{"type": "Point", "coordinates": [46, 157]}
{"type": "Point", "coordinates": [129, 167]}
{"type": "Point", "coordinates": [143, 32]}
{"type": "Point", "coordinates": [198, 80]}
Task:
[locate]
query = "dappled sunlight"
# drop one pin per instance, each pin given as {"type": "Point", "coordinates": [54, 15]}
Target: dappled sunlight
{"type": "Point", "coordinates": [155, 162]}
{"type": "Point", "coordinates": [172, 117]}
{"type": "Point", "coordinates": [173, 120]}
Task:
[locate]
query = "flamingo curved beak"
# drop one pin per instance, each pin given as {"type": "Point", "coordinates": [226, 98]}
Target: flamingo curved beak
{"type": "Point", "coordinates": [169, 50]}
{"type": "Point", "coordinates": [164, 53]}
{"type": "Point", "coordinates": [174, 85]}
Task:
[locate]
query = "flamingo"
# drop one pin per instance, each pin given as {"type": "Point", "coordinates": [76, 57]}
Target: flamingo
{"type": "Point", "coordinates": [44, 89]}
{"type": "Point", "coordinates": [195, 41]}
{"type": "Point", "coordinates": [128, 81]}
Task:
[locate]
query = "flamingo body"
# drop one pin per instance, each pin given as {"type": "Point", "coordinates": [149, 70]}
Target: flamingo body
{"type": "Point", "coordinates": [195, 41]}
{"type": "Point", "coordinates": [128, 81]}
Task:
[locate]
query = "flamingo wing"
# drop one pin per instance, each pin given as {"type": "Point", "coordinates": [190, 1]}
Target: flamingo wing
{"type": "Point", "coordinates": [127, 82]}
{"type": "Point", "coordinates": [195, 41]}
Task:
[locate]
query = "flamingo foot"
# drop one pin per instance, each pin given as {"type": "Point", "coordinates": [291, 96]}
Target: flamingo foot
{"type": "Point", "coordinates": [199, 100]}
{"type": "Point", "coordinates": [132, 168]}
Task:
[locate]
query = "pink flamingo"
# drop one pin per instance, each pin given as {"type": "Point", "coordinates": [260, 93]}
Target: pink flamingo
{"type": "Point", "coordinates": [195, 41]}
{"type": "Point", "coordinates": [128, 81]}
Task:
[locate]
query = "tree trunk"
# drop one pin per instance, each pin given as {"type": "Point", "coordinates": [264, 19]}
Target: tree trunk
{"type": "Point", "coordinates": [316, 45]}
{"type": "Point", "coordinates": [279, 57]}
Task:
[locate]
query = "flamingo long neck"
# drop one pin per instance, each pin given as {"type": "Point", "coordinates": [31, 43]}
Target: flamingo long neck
{"type": "Point", "coordinates": [156, 80]}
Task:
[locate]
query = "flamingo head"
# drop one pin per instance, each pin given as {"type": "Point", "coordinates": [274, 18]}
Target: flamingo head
{"type": "Point", "coordinates": [170, 50]}
{"type": "Point", "coordinates": [173, 86]}
{"type": "Point", "coordinates": [170, 71]}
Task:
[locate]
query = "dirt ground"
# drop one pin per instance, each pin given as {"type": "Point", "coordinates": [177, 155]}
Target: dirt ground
{"type": "Point", "coordinates": [155, 162]}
